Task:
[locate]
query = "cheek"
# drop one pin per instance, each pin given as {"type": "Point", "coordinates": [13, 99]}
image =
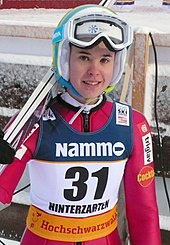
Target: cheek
{"type": "Point", "coordinates": [75, 73]}
{"type": "Point", "coordinates": [76, 70]}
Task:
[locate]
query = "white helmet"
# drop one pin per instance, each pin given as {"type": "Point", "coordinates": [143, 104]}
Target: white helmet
{"type": "Point", "coordinates": [83, 27]}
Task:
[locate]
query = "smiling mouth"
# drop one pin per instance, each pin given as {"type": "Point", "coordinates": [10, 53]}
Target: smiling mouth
{"type": "Point", "coordinates": [92, 83]}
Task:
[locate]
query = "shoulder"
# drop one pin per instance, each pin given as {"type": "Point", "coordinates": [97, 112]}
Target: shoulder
{"type": "Point", "coordinates": [139, 118]}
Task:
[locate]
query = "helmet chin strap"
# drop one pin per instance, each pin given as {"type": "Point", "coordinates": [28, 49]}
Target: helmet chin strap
{"type": "Point", "coordinates": [66, 84]}
{"type": "Point", "coordinates": [110, 88]}
{"type": "Point", "coordinates": [70, 87]}
{"type": "Point", "coordinates": [62, 71]}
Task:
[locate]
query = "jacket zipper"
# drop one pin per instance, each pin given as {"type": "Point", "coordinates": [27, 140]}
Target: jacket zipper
{"type": "Point", "coordinates": [86, 129]}
{"type": "Point", "coordinates": [86, 121]}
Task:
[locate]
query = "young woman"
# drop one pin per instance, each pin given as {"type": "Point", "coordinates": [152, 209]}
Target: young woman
{"type": "Point", "coordinates": [86, 143]}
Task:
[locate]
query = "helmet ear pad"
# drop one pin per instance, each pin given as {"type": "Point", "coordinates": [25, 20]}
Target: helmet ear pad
{"type": "Point", "coordinates": [62, 52]}
{"type": "Point", "coordinates": [64, 59]}
{"type": "Point", "coordinates": [63, 62]}
{"type": "Point", "coordinates": [119, 64]}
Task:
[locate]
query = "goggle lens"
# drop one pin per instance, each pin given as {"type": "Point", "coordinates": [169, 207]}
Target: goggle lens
{"type": "Point", "coordinates": [89, 30]}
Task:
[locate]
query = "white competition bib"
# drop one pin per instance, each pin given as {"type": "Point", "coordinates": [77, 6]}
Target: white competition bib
{"type": "Point", "coordinates": [81, 189]}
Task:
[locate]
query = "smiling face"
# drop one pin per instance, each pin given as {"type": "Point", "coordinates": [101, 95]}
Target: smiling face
{"type": "Point", "coordinates": [91, 71]}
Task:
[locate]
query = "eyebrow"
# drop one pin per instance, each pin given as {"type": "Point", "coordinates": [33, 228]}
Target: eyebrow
{"type": "Point", "coordinates": [84, 52]}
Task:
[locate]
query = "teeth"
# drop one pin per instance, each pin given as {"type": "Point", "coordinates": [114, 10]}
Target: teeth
{"type": "Point", "coordinates": [91, 83]}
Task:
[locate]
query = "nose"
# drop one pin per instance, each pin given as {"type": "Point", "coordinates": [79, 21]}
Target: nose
{"type": "Point", "coordinates": [93, 69]}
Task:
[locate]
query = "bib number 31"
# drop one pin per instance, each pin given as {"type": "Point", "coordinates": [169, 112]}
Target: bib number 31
{"type": "Point", "coordinates": [81, 183]}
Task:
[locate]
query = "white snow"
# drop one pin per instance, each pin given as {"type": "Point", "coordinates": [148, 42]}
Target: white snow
{"type": "Point", "coordinates": [145, 15]}
{"type": "Point", "coordinates": [25, 59]}
{"type": "Point", "coordinates": [148, 15]}
{"type": "Point", "coordinates": [7, 111]}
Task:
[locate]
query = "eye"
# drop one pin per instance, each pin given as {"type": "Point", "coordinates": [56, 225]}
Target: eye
{"type": "Point", "coordinates": [84, 58]}
{"type": "Point", "coordinates": [104, 60]}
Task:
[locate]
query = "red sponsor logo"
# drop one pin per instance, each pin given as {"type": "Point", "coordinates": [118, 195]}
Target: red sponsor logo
{"type": "Point", "coordinates": [143, 128]}
{"type": "Point", "coordinates": [145, 176]}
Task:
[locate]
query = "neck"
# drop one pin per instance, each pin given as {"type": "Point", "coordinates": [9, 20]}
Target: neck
{"type": "Point", "coordinates": [87, 105]}
{"type": "Point", "coordinates": [80, 99]}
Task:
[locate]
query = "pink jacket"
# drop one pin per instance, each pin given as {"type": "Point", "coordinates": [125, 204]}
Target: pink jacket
{"type": "Point", "coordinates": [139, 184]}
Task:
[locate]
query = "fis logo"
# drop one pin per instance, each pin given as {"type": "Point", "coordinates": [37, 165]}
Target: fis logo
{"type": "Point", "coordinates": [122, 114]}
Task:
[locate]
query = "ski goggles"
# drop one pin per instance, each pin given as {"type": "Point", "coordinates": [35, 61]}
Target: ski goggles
{"type": "Point", "coordinates": [87, 30]}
